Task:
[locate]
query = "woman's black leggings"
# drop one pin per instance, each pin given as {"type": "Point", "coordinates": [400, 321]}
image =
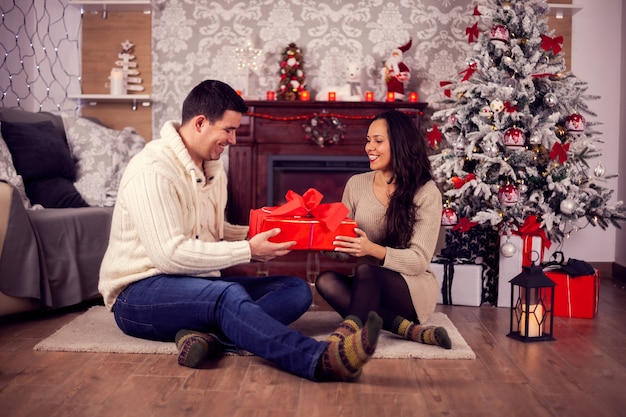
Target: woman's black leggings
{"type": "Point", "coordinates": [372, 288]}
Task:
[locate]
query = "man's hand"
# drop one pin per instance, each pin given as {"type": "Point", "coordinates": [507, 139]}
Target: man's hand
{"type": "Point", "coordinates": [263, 250]}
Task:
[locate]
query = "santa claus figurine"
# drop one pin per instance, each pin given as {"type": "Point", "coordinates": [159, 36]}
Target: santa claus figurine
{"type": "Point", "coordinates": [395, 73]}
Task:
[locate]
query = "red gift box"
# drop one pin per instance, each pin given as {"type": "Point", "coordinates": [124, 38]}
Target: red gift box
{"type": "Point", "coordinates": [575, 296]}
{"type": "Point", "coordinates": [303, 219]}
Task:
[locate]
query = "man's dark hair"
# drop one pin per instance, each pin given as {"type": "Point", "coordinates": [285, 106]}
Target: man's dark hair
{"type": "Point", "coordinates": [212, 98]}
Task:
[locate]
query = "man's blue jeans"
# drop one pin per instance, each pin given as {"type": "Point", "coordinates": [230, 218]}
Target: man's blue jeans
{"type": "Point", "coordinates": [252, 312]}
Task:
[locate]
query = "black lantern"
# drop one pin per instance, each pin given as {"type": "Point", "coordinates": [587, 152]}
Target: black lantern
{"type": "Point", "coordinates": [532, 311]}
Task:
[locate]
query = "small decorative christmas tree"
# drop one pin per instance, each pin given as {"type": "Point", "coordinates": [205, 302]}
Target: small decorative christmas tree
{"type": "Point", "coordinates": [513, 144]}
{"type": "Point", "coordinates": [292, 79]}
{"type": "Point", "coordinates": [126, 61]}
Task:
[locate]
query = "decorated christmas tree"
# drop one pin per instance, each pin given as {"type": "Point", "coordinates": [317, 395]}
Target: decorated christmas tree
{"type": "Point", "coordinates": [292, 79]}
{"type": "Point", "coordinates": [513, 146]}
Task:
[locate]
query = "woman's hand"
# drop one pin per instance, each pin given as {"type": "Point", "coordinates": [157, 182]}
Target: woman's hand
{"type": "Point", "coordinates": [359, 245]}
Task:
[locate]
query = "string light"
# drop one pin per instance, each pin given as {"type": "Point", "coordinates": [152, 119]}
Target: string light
{"type": "Point", "coordinates": [47, 49]}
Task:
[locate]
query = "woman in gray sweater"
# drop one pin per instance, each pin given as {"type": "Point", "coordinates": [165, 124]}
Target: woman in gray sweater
{"type": "Point", "coordinates": [397, 207]}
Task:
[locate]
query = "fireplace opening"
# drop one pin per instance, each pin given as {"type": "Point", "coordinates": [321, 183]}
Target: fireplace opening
{"type": "Point", "coordinates": [327, 174]}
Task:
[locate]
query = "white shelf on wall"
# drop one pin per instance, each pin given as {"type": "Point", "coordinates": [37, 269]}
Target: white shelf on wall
{"type": "Point", "coordinates": [562, 10]}
{"type": "Point", "coordinates": [134, 100]}
{"type": "Point", "coordinates": [113, 5]}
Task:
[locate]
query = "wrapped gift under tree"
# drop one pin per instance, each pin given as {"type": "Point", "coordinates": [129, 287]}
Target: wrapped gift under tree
{"type": "Point", "coordinates": [476, 245]}
{"type": "Point", "coordinates": [522, 248]}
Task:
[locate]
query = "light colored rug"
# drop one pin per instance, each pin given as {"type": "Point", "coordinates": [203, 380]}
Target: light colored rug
{"type": "Point", "coordinates": [96, 331]}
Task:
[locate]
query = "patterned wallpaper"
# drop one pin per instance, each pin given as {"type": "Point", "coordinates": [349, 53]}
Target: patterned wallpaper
{"type": "Point", "coordinates": [195, 40]}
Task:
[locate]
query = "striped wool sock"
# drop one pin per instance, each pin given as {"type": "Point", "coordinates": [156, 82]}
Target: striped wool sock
{"type": "Point", "coordinates": [194, 347]}
{"type": "Point", "coordinates": [350, 325]}
{"type": "Point", "coordinates": [429, 335]}
{"type": "Point", "coordinates": [345, 356]}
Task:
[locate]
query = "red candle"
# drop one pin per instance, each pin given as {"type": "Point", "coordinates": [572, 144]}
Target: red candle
{"type": "Point", "coordinates": [305, 95]}
{"type": "Point", "coordinates": [413, 97]}
{"type": "Point", "coordinates": [369, 96]}
{"type": "Point", "coordinates": [270, 95]}
{"type": "Point", "coordinates": [391, 96]}
{"type": "Point", "coordinates": [332, 96]}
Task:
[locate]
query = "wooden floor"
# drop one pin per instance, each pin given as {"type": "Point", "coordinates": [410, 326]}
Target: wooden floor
{"type": "Point", "coordinates": [582, 373]}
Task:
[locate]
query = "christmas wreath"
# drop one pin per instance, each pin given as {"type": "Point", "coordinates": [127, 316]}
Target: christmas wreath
{"type": "Point", "coordinates": [324, 130]}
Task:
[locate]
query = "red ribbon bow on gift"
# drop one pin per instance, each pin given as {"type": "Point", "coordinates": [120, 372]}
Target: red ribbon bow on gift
{"type": "Point", "coordinates": [308, 204]}
{"type": "Point", "coordinates": [548, 43]}
{"type": "Point", "coordinates": [532, 228]}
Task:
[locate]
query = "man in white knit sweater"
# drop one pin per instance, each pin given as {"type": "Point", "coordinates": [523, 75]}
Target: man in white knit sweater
{"type": "Point", "coordinates": [169, 240]}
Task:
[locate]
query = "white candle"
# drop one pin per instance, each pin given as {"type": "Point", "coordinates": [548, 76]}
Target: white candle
{"type": "Point", "coordinates": [117, 82]}
{"type": "Point", "coordinates": [535, 317]}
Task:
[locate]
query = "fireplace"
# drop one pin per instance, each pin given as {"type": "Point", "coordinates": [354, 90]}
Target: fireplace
{"type": "Point", "coordinates": [326, 173]}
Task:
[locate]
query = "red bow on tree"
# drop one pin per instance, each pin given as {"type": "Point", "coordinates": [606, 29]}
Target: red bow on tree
{"type": "Point", "coordinates": [447, 92]}
{"type": "Point", "coordinates": [468, 72]}
{"type": "Point", "coordinates": [464, 225]}
{"type": "Point", "coordinates": [476, 12]}
{"type": "Point", "coordinates": [472, 33]}
{"type": "Point", "coordinates": [509, 108]}
{"type": "Point", "coordinates": [559, 151]}
{"type": "Point", "coordinates": [434, 136]}
{"type": "Point", "coordinates": [460, 182]}
{"type": "Point", "coordinates": [548, 43]}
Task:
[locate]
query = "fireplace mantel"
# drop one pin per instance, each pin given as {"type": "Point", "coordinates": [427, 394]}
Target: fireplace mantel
{"type": "Point", "coordinates": [275, 128]}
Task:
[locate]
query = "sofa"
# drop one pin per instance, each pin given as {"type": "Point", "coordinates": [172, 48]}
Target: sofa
{"type": "Point", "coordinates": [59, 176]}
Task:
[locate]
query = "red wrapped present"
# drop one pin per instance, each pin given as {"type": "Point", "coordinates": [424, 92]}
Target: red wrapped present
{"type": "Point", "coordinates": [303, 219]}
{"type": "Point", "coordinates": [575, 296]}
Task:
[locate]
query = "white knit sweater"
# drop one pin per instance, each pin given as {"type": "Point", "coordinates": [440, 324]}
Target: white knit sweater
{"type": "Point", "coordinates": [169, 219]}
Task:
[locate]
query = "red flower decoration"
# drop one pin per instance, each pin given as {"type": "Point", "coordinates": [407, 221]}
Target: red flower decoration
{"type": "Point", "coordinates": [460, 182]}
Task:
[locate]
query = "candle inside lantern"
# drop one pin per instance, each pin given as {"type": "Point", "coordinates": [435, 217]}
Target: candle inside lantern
{"type": "Point", "coordinates": [305, 95]}
{"type": "Point", "coordinates": [391, 96]}
{"type": "Point", "coordinates": [413, 97]}
{"type": "Point", "coordinates": [535, 317]}
{"type": "Point", "coordinates": [369, 96]}
{"type": "Point", "coordinates": [270, 95]}
{"type": "Point", "coordinates": [117, 82]}
{"type": "Point", "coordinates": [332, 96]}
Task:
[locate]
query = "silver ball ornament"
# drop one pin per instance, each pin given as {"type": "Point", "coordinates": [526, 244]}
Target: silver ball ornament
{"type": "Point", "coordinates": [567, 206]}
{"type": "Point", "coordinates": [508, 249]}
{"type": "Point", "coordinates": [599, 170]}
{"type": "Point", "coordinates": [550, 100]}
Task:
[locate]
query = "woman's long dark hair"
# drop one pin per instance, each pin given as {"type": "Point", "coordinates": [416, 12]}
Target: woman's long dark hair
{"type": "Point", "coordinates": [411, 169]}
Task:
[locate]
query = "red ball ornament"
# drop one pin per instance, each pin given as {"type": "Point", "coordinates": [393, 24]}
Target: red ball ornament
{"type": "Point", "coordinates": [508, 195]}
{"type": "Point", "coordinates": [575, 123]}
{"type": "Point", "coordinates": [449, 217]}
{"type": "Point", "coordinates": [500, 33]}
{"type": "Point", "coordinates": [514, 137]}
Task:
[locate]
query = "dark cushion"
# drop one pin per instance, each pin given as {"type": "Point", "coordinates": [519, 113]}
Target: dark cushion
{"type": "Point", "coordinates": [54, 193]}
{"type": "Point", "coordinates": [38, 150]}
